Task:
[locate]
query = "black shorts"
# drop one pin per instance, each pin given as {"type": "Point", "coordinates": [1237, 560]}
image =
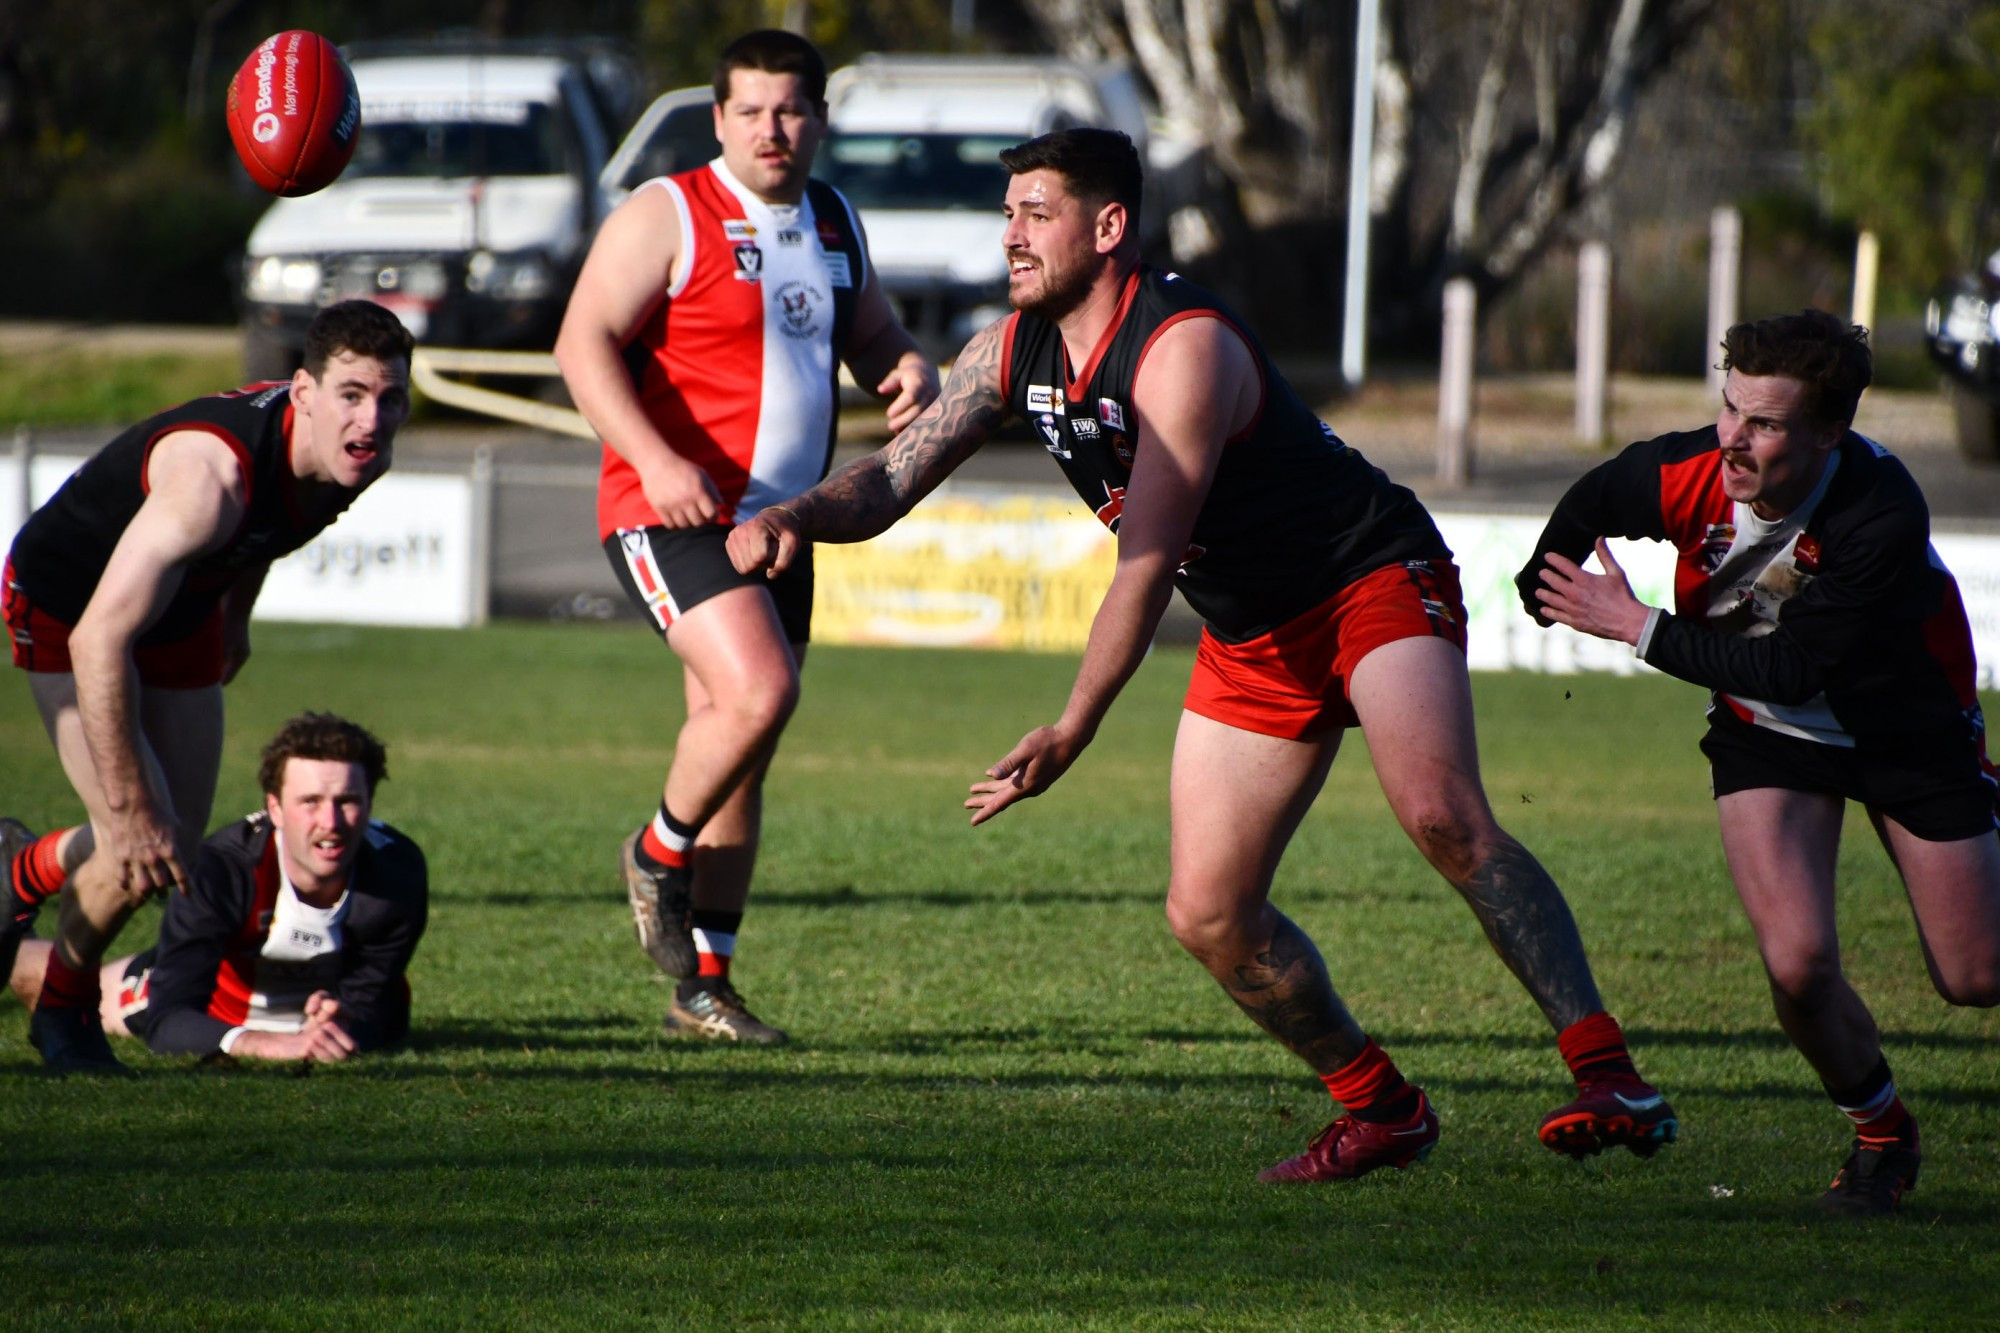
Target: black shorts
{"type": "Point", "coordinates": [1940, 793]}
{"type": "Point", "coordinates": [669, 571]}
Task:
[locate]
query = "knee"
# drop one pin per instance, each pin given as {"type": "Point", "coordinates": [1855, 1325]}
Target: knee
{"type": "Point", "coordinates": [1457, 847]}
{"type": "Point", "coordinates": [1806, 975]}
{"type": "Point", "coordinates": [764, 706]}
{"type": "Point", "coordinates": [1213, 934]}
{"type": "Point", "coordinates": [1971, 987]}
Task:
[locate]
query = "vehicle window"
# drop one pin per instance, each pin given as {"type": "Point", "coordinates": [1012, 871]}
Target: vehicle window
{"type": "Point", "coordinates": [683, 140]}
{"type": "Point", "coordinates": [942, 171]}
{"type": "Point", "coordinates": [495, 139]}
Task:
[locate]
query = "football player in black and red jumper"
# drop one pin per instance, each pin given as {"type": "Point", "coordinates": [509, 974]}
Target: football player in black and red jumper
{"type": "Point", "coordinates": [293, 937]}
{"type": "Point", "coordinates": [128, 597]}
{"type": "Point", "coordinates": [1808, 598]}
{"type": "Point", "coordinates": [1330, 602]}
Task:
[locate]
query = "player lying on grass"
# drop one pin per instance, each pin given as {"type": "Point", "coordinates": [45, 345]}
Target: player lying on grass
{"type": "Point", "coordinates": [296, 928]}
{"type": "Point", "coordinates": [1330, 602]}
{"type": "Point", "coordinates": [128, 599]}
{"type": "Point", "coordinates": [1810, 602]}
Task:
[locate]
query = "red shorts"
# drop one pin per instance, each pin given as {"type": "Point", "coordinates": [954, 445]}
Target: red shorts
{"type": "Point", "coordinates": [41, 643]}
{"type": "Point", "coordinates": [1292, 682]}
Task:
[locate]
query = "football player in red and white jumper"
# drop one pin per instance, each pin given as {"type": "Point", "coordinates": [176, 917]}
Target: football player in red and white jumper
{"type": "Point", "coordinates": [1809, 599]}
{"type": "Point", "coordinates": [703, 343]}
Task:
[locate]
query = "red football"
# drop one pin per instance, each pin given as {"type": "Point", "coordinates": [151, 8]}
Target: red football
{"type": "Point", "coordinates": [294, 113]}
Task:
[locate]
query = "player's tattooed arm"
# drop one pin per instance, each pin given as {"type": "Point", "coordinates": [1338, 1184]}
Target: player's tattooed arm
{"type": "Point", "coordinates": [1287, 992]}
{"type": "Point", "coordinates": [1529, 925]}
{"type": "Point", "coordinates": [865, 497]}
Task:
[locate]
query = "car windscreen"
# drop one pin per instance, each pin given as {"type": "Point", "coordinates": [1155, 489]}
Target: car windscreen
{"type": "Point", "coordinates": [929, 171]}
{"type": "Point", "coordinates": [415, 139]}
{"type": "Point", "coordinates": [683, 139]}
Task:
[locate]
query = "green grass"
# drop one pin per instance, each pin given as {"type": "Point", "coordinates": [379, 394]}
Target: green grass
{"type": "Point", "coordinates": [65, 385]}
{"type": "Point", "coordinates": [1010, 1100]}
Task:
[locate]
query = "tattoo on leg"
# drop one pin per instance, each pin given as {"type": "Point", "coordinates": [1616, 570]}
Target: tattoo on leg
{"type": "Point", "coordinates": [1288, 994]}
{"type": "Point", "coordinates": [1530, 927]}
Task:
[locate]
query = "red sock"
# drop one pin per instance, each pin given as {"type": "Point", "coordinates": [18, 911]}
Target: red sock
{"type": "Point", "coordinates": [66, 987]}
{"type": "Point", "coordinates": [38, 873]}
{"type": "Point", "coordinates": [666, 841]}
{"type": "Point", "coordinates": [1873, 1106]}
{"type": "Point", "coordinates": [1370, 1087]}
{"type": "Point", "coordinates": [1594, 1049]}
{"type": "Point", "coordinates": [714, 941]}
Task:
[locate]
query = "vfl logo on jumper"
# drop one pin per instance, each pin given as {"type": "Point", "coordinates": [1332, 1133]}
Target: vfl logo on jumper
{"type": "Point", "coordinates": [1715, 545]}
{"type": "Point", "coordinates": [800, 304]}
{"type": "Point", "coordinates": [1053, 434]}
{"type": "Point", "coordinates": [749, 262]}
{"type": "Point", "coordinates": [1111, 413]}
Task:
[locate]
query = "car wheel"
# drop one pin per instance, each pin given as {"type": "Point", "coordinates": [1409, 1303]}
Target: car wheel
{"type": "Point", "coordinates": [1978, 426]}
{"type": "Point", "coordinates": [266, 356]}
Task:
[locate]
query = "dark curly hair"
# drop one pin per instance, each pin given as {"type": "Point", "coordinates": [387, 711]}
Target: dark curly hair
{"type": "Point", "coordinates": [1824, 352]}
{"type": "Point", "coordinates": [322, 736]}
{"type": "Point", "coordinates": [360, 328]}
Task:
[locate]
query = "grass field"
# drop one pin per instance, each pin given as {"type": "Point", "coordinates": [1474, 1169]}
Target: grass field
{"type": "Point", "coordinates": [1010, 1100]}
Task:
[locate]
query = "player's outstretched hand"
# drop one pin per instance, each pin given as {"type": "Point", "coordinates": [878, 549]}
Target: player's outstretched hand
{"type": "Point", "coordinates": [681, 494]}
{"type": "Point", "coordinates": [1595, 604]}
{"type": "Point", "coordinates": [914, 382]}
{"type": "Point", "coordinates": [1029, 769]}
{"type": "Point", "coordinates": [767, 542]}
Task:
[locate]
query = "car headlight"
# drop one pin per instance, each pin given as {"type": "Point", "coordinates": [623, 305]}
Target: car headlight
{"type": "Point", "coordinates": [281, 279]}
{"type": "Point", "coordinates": [516, 277]}
{"type": "Point", "coordinates": [1970, 320]}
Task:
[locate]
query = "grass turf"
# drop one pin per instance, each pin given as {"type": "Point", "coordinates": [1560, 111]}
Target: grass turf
{"type": "Point", "coordinates": [1010, 1099]}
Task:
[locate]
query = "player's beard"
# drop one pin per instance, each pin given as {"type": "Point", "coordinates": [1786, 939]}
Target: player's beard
{"type": "Point", "coordinates": [1062, 288]}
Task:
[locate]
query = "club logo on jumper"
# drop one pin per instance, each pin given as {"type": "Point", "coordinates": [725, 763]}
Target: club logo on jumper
{"type": "Point", "coordinates": [1715, 545]}
{"type": "Point", "coordinates": [1053, 434]}
{"type": "Point", "coordinates": [1122, 447]}
{"type": "Point", "coordinates": [1042, 398]}
{"type": "Point", "coordinates": [1113, 507]}
{"type": "Point", "coordinates": [749, 262]}
{"type": "Point", "coordinates": [1805, 554]}
{"type": "Point", "coordinates": [791, 236]}
{"type": "Point", "coordinates": [1085, 427]}
{"type": "Point", "coordinates": [801, 306]}
{"type": "Point", "coordinates": [739, 229]}
{"type": "Point", "coordinates": [1111, 413]}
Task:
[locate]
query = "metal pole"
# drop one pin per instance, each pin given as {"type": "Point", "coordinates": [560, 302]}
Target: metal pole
{"type": "Point", "coordinates": [1593, 338]}
{"type": "Point", "coordinates": [24, 454]}
{"type": "Point", "coordinates": [1725, 254]}
{"type": "Point", "coordinates": [480, 592]}
{"type": "Point", "coordinates": [1360, 166]}
{"type": "Point", "coordinates": [1867, 262]}
{"type": "Point", "coordinates": [1455, 384]}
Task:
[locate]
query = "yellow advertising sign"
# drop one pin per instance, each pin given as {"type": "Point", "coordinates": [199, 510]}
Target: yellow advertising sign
{"type": "Point", "coordinates": [969, 567]}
